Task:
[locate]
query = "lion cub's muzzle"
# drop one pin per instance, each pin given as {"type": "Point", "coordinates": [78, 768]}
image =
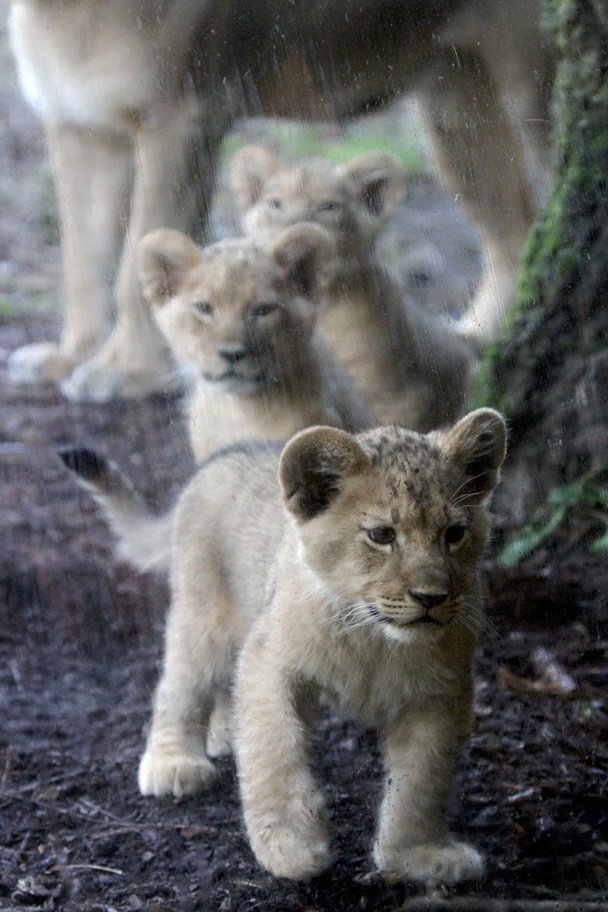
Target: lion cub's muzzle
{"type": "Point", "coordinates": [244, 368]}
{"type": "Point", "coordinates": [239, 369]}
{"type": "Point", "coordinates": [433, 608]}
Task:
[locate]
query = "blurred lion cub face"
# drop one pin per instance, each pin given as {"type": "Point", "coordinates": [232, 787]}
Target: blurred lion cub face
{"type": "Point", "coordinates": [237, 310]}
{"type": "Point", "coordinates": [352, 201]}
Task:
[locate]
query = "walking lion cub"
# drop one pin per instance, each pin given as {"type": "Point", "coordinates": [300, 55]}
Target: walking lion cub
{"type": "Point", "coordinates": [355, 579]}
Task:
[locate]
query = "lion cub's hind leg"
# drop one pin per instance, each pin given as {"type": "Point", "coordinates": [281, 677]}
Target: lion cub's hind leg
{"type": "Point", "coordinates": [199, 652]}
{"type": "Point", "coordinates": [219, 734]}
{"type": "Point", "coordinates": [175, 761]}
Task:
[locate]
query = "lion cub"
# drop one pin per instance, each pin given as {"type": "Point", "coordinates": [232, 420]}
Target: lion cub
{"type": "Point", "coordinates": [241, 315]}
{"type": "Point", "coordinates": [354, 579]}
{"type": "Point", "coordinates": [410, 365]}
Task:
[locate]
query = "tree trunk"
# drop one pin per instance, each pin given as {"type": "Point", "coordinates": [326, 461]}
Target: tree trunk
{"type": "Point", "coordinates": [549, 373]}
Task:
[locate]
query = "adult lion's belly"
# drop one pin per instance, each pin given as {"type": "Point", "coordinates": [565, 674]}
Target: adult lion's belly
{"type": "Point", "coordinates": [82, 68]}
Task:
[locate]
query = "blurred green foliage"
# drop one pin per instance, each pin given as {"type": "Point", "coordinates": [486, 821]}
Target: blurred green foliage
{"type": "Point", "coordinates": [586, 497]}
{"type": "Point", "coordinates": [291, 141]}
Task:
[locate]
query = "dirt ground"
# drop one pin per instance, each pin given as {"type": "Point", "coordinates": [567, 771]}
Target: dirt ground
{"type": "Point", "coordinates": [80, 641]}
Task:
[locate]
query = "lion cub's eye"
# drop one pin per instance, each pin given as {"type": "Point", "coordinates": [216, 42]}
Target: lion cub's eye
{"type": "Point", "coordinates": [274, 203]}
{"type": "Point", "coordinates": [262, 310]}
{"type": "Point", "coordinates": [382, 535]}
{"type": "Point", "coordinates": [455, 535]}
{"type": "Point", "coordinates": [204, 309]}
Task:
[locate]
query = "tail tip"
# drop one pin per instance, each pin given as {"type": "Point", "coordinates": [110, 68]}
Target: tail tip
{"type": "Point", "coordinates": [85, 463]}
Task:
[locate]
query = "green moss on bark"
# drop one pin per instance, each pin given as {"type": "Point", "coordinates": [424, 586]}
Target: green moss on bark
{"type": "Point", "coordinates": [549, 370]}
{"type": "Point", "coordinates": [557, 268]}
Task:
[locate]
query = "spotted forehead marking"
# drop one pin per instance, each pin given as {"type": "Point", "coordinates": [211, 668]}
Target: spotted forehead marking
{"type": "Point", "coordinates": [236, 269]}
{"type": "Point", "coordinates": [411, 468]}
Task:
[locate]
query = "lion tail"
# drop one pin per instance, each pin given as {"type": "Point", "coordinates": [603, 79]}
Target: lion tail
{"type": "Point", "coordinates": [144, 538]}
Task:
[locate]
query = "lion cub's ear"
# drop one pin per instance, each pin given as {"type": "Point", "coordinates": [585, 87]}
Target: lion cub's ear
{"type": "Point", "coordinates": [250, 170]}
{"type": "Point", "coordinates": [307, 254]}
{"type": "Point", "coordinates": [477, 443]}
{"type": "Point", "coordinates": [163, 259]}
{"type": "Point", "coordinates": [379, 180]}
{"type": "Point", "coordinates": [312, 467]}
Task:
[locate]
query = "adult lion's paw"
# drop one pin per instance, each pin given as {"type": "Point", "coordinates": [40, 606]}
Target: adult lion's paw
{"type": "Point", "coordinates": [174, 774]}
{"type": "Point", "coordinates": [120, 371]}
{"type": "Point", "coordinates": [38, 364]}
{"type": "Point", "coordinates": [432, 864]}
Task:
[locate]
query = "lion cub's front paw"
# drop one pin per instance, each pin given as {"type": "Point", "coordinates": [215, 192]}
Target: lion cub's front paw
{"type": "Point", "coordinates": [432, 864]}
{"type": "Point", "coordinates": [290, 839]}
{"type": "Point", "coordinates": [290, 851]}
{"type": "Point", "coordinates": [174, 774]}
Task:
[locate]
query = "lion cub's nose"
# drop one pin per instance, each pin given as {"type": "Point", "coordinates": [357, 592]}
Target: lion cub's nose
{"type": "Point", "coordinates": [232, 355]}
{"type": "Point", "coordinates": [429, 600]}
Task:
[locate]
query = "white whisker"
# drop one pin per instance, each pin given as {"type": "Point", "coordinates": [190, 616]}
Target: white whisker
{"type": "Point", "coordinates": [486, 625]}
{"type": "Point", "coordinates": [466, 621]}
{"type": "Point", "coordinates": [474, 619]}
{"type": "Point", "coordinates": [464, 497]}
{"type": "Point", "coordinates": [478, 598]}
{"type": "Point", "coordinates": [466, 482]}
{"type": "Point", "coordinates": [470, 616]}
{"type": "Point", "coordinates": [350, 618]}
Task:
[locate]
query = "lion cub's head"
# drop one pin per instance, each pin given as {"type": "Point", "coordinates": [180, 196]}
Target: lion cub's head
{"type": "Point", "coordinates": [393, 523]}
{"type": "Point", "coordinates": [237, 311]}
{"type": "Point", "coordinates": [351, 201]}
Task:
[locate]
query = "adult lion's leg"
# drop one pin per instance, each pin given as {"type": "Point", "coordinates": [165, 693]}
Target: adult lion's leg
{"type": "Point", "coordinates": [92, 172]}
{"type": "Point", "coordinates": [483, 159]}
{"type": "Point", "coordinates": [174, 168]}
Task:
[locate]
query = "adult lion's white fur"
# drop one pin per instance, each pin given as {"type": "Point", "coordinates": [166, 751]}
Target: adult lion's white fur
{"type": "Point", "coordinates": [136, 98]}
{"type": "Point", "coordinates": [355, 580]}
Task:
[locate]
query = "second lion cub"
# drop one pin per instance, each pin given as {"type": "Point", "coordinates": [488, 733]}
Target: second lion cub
{"type": "Point", "coordinates": [242, 316]}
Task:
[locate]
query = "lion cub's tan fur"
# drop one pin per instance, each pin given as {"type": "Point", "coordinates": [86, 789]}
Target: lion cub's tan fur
{"type": "Point", "coordinates": [410, 365]}
{"type": "Point", "coordinates": [358, 583]}
{"type": "Point", "coordinates": [241, 315]}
